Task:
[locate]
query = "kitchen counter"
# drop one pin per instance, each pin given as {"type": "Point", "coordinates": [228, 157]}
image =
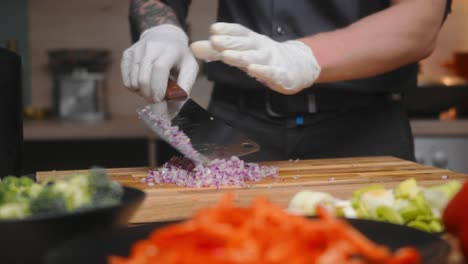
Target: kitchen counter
{"type": "Point", "coordinates": [339, 177]}
{"type": "Point", "coordinates": [454, 128]}
{"type": "Point", "coordinates": [132, 127]}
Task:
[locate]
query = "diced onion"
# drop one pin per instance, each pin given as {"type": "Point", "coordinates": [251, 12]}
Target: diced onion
{"type": "Point", "coordinates": [190, 171]}
{"type": "Point", "coordinates": [172, 134]}
{"type": "Point", "coordinates": [218, 172]}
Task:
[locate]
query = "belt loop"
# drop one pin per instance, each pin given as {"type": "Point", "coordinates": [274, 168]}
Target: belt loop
{"type": "Point", "coordinates": [269, 108]}
{"type": "Point", "coordinates": [311, 103]}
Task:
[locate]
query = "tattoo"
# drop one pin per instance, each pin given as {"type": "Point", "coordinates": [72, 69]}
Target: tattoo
{"type": "Point", "coordinates": [145, 14]}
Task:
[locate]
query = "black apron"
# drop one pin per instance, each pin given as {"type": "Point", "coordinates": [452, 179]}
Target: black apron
{"type": "Point", "coordinates": [364, 129]}
{"type": "Point", "coordinates": [11, 129]}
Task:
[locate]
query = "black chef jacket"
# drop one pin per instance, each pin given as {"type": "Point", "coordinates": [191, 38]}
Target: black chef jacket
{"type": "Point", "coordinates": [380, 128]}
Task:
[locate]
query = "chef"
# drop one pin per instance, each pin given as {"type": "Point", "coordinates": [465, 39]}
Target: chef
{"type": "Point", "coordinates": [305, 79]}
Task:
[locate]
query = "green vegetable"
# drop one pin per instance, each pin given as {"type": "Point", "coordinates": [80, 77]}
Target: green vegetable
{"type": "Point", "coordinates": [407, 189]}
{"type": "Point", "coordinates": [388, 214]}
{"type": "Point", "coordinates": [306, 201]}
{"type": "Point", "coordinates": [436, 226]}
{"type": "Point", "coordinates": [356, 198]}
{"type": "Point", "coordinates": [105, 192]}
{"type": "Point", "coordinates": [14, 210]}
{"type": "Point", "coordinates": [48, 201]}
{"type": "Point", "coordinates": [408, 204]}
{"type": "Point", "coordinates": [420, 202]}
{"type": "Point", "coordinates": [427, 223]}
{"type": "Point", "coordinates": [409, 213]}
{"type": "Point", "coordinates": [15, 194]}
{"type": "Point", "coordinates": [420, 225]}
{"type": "Point", "coordinates": [22, 197]}
{"type": "Point", "coordinates": [372, 199]}
{"type": "Point", "coordinates": [13, 189]}
{"type": "Point", "coordinates": [439, 196]}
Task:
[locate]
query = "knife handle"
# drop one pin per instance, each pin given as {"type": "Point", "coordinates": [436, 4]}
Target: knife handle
{"type": "Point", "coordinates": [174, 91]}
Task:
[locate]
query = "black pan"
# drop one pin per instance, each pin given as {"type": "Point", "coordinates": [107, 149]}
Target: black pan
{"type": "Point", "coordinates": [93, 249]}
{"type": "Point", "coordinates": [28, 240]}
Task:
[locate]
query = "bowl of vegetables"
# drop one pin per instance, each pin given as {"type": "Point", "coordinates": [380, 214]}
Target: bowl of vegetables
{"type": "Point", "coordinates": [261, 232]}
{"type": "Point", "coordinates": [35, 217]}
{"type": "Point", "coordinates": [407, 204]}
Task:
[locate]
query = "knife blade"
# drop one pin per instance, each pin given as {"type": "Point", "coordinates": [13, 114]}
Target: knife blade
{"type": "Point", "coordinates": [210, 137]}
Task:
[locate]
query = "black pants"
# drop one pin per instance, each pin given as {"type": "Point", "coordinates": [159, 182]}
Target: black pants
{"type": "Point", "coordinates": [382, 129]}
{"type": "Point", "coordinates": [11, 132]}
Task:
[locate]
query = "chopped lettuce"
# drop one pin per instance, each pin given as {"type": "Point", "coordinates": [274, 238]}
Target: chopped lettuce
{"type": "Point", "coordinates": [407, 189]}
{"type": "Point", "coordinates": [358, 193]}
{"type": "Point", "coordinates": [370, 200]}
{"type": "Point", "coordinates": [343, 208]}
{"type": "Point", "coordinates": [388, 214]}
{"type": "Point", "coordinates": [439, 196]}
{"type": "Point", "coordinates": [408, 204]}
{"type": "Point", "coordinates": [305, 202]}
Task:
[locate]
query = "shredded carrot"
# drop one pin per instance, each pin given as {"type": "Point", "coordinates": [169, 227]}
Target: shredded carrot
{"type": "Point", "coordinates": [261, 234]}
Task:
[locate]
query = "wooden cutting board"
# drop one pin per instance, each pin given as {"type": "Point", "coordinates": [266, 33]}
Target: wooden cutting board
{"type": "Point", "coordinates": [339, 177]}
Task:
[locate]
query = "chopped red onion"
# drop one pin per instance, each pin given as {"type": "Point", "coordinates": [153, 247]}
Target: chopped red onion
{"type": "Point", "coordinates": [190, 171]}
{"type": "Point", "coordinates": [161, 124]}
{"type": "Point", "coordinates": [218, 172]}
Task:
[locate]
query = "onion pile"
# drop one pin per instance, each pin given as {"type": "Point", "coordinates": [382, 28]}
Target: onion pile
{"type": "Point", "coordinates": [172, 134]}
{"type": "Point", "coordinates": [218, 172]}
{"type": "Point", "coordinates": [190, 171]}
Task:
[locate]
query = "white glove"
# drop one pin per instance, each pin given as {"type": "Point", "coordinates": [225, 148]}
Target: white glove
{"type": "Point", "coordinates": [147, 64]}
{"type": "Point", "coordinates": [286, 67]}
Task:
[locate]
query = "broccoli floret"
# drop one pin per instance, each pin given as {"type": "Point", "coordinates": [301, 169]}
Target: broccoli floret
{"type": "Point", "coordinates": [25, 181]}
{"type": "Point", "coordinates": [110, 196]}
{"type": "Point", "coordinates": [98, 179]}
{"type": "Point", "coordinates": [15, 196]}
{"type": "Point", "coordinates": [13, 182]}
{"type": "Point", "coordinates": [20, 197]}
{"type": "Point", "coordinates": [48, 201]}
{"type": "Point", "coordinates": [76, 191]}
{"type": "Point", "coordinates": [83, 191]}
{"type": "Point", "coordinates": [14, 189]}
{"type": "Point", "coordinates": [14, 210]}
{"type": "Point", "coordinates": [105, 191]}
{"type": "Point", "coordinates": [62, 196]}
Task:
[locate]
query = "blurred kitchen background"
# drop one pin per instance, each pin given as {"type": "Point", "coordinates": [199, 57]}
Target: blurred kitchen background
{"type": "Point", "coordinates": [78, 114]}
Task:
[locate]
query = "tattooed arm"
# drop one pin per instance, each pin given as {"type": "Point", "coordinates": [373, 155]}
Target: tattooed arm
{"type": "Point", "coordinates": [160, 48]}
{"type": "Point", "coordinates": [145, 14]}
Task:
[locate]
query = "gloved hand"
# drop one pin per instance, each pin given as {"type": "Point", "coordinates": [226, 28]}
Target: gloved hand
{"type": "Point", "coordinates": [147, 64]}
{"type": "Point", "coordinates": [286, 67]}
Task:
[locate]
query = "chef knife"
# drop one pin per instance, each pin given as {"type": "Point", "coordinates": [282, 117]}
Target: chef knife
{"type": "Point", "coordinates": [210, 137]}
